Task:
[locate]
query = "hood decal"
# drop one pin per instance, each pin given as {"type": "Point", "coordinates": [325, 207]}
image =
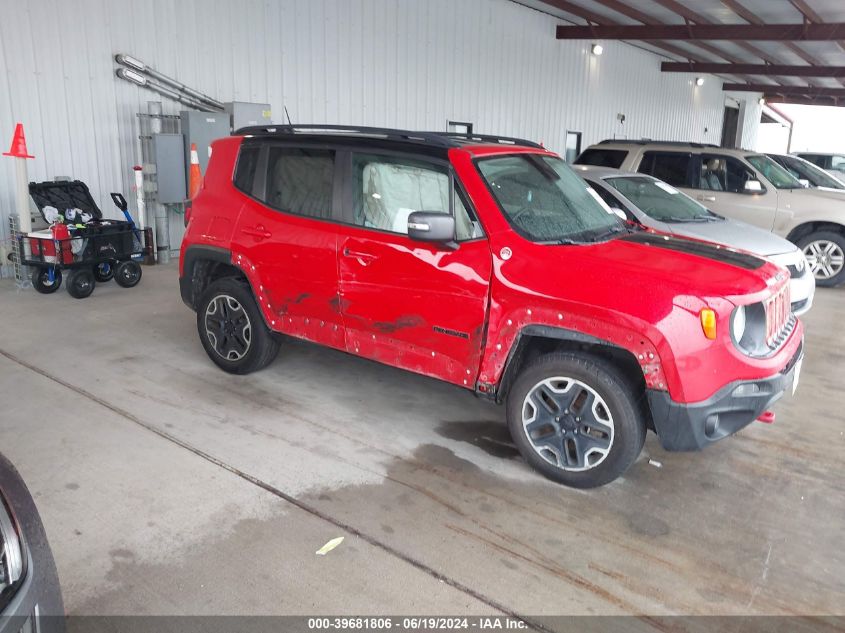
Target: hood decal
{"type": "Point", "coordinates": [722, 254]}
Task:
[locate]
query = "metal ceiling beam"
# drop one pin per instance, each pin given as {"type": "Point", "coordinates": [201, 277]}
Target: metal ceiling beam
{"type": "Point", "coordinates": [807, 91]}
{"type": "Point", "coordinates": [636, 14]}
{"type": "Point", "coordinates": [689, 32]}
{"type": "Point", "coordinates": [822, 101]}
{"type": "Point", "coordinates": [589, 16]}
{"type": "Point", "coordinates": [753, 69]}
{"type": "Point", "coordinates": [807, 11]}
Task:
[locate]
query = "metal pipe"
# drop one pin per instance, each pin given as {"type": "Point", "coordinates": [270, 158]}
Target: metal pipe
{"type": "Point", "coordinates": [139, 80]}
{"type": "Point", "coordinates": [141, 67]}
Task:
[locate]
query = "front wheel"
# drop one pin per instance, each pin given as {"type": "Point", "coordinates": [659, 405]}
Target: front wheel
{"type": "Point", "coordinates": [576, 419]}
{"type": "Point", "coordinates": [127, 274]}
{"type": "Point", "coordinates": [80, 283]}
{"type": "Point", "coordinates": [231, 328]}
{"type": "Point", "coordinates": [825, 253]}
{"type": "Point", "coordinates": [41, 280]}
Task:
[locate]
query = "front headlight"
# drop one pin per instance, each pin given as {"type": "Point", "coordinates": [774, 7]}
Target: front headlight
{"type": "Point", "coordinates": [11, 552]}
{"type": "Point", "coordinates": [738, 322]}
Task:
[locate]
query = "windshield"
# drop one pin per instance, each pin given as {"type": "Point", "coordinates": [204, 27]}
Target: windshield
{"type": "Point", "coordinates": [816, 176]}
{"type": "Point", "coordinates": [546, 202]}
{"type": "Point", "coordinates": [774, 173]}
{"type": "Point", "coordinates": [660, 201]}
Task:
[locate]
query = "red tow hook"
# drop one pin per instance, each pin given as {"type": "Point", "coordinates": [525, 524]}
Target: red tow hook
{"type": "Point", "coordinates": [767, 417]}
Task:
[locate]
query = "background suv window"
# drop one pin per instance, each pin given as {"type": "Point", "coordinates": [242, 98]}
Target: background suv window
{"type": "Point", "coordinates": [671, 167]}
{"type": "Point", "coordinates": [723, 173]}
{"type": "Point", "coordinates": [300, 181]}
{"type": "Point", "coordinates": [602, 157]}
{"type": "Point", "coordinates": [387, 189]}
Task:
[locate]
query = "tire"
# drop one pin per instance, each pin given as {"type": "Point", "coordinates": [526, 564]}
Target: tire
{"type": "Point", "coordinates": [80, 283]}
{"type": "Point", "coordinates": [41, 280]}
{"type": "Point", "coordinates": [104, 271]}
{"type": "Point", "coordinates": [600, 430]}
{"type": "Point", "coordinates": [825, 252]}
{"type": "Point", "coordinates": [127, 274]}
{"type": "Point", "coordinates": [232, 330]}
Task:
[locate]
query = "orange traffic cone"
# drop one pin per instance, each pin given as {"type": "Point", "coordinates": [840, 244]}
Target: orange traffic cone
{"type": "Point", "coordinates": [18, 148]}
{"type": "Point", "coordinates": [195, 175]}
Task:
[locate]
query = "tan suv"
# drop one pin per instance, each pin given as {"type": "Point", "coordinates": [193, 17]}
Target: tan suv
{"type": "Point", "coordinates": [746, 186]}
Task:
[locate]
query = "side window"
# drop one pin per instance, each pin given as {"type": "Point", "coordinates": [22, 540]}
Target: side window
{"type": "Point", "coordinates": [300, 181]}
{"type": "Point", "coordinates": [245, 169]}
{"type": "Point", "coordinates": [723, 173]}
{"type": "Point", "coordinates": [609, 198]}
{"type": "Point", "coordinates": [670, 167]}
{"type": "Point", "coordinates": [387, 189]}
{"type": "Point", "coordinates": [600, 157]}
{"type": "Point", "coordinates": [838, 163]}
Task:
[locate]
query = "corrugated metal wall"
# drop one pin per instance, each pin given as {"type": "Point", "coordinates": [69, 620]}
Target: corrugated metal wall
{"type": "Point", "coordinates": [404, 63]}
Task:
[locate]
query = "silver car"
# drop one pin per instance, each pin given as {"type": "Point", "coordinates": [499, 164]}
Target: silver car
{"type": "Point", "coordinates": [655, 204]}
{"type": "Point", "coordinates": [807, 173]}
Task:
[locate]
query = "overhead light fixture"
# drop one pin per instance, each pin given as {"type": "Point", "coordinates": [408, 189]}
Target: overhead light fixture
{"type": "Point", "coordinates": [699, 81]}
{"type": "Point", "coordinates": [761, 101]}
{"type": "Point", "coordinates": [597, 49]}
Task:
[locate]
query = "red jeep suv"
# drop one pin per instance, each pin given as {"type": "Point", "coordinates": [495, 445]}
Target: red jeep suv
{"type": "Point", "coordinates": [486, 262]}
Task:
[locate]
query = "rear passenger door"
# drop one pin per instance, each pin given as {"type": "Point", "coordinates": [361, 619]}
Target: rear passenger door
{"type": "Point", "coordinates": [416, 305]}
{"type": "Point", "coordinates": [287, 230]}
{"type": "Point", "coordinates": [719, 183]}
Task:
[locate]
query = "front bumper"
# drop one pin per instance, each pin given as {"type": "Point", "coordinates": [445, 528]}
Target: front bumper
{"type": "Point", "coordinates": [802, 290]}
{"type": "Point", "coordinates": [692, 426]}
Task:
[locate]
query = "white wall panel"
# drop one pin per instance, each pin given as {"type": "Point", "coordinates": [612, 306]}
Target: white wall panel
{"type": "Point", "coordinates": [404, 63]}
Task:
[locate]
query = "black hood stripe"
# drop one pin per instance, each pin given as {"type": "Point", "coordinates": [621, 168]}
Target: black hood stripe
{"type": "Point", "coordinates": [722, 254]}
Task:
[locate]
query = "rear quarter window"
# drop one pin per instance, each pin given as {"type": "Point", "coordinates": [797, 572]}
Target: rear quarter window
{"type": "Point", "coordinates": [602, 157]}
{"type": "Point", "coordinates": [671, 167]}
{"type": "Point", "coordinates": [245, 169]}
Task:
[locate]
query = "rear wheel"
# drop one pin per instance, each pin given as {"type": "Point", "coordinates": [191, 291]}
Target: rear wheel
{"type": "Point", "coordinates": [41, 280]}
{"type": "Point", "coordinates": [127, 274]}
{"type": "Point", "coordinates": [80, 283]}
{"type": "Point", "coordinates": [232, 330]}
{"type": "Point", "coordinates": [104, 271]}
{"type": "Point", "coordinates": [576, 419]}
{"type": "Point", "coordinates": [825, 252]}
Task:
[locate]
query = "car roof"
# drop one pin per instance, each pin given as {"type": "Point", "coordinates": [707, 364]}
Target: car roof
{"type": "Point", "coordinates": [428, 142]}
{"type": "Point", "coordinates": [669, 146]}
{"type": "Point", "coordinates": [601, 173]}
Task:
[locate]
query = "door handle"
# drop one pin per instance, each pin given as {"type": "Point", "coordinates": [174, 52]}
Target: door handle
{"type": "Point", "coordinates": [363, 258]}
{"type": "Point", "coordinates": [258, 232]}
{"type": "Point", "coordinates": [707, 198]}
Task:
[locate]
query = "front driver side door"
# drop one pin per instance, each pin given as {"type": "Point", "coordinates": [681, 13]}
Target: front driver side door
{"type": "Point", "coordinates": [719, 184]}
{"type": "Point", "coordinates": [416, 305]}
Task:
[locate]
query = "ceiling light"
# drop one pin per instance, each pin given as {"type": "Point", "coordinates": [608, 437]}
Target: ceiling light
{"type": "Point", "coordinates": [761, 101]}
{"type": "Point", "coordinates": [699, 81]}
{"type": "Point", "coordinates": [597, 49]}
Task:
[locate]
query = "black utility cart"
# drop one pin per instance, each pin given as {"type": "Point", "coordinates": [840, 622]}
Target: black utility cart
{"type": "Point", "coordinates": [80, 242]}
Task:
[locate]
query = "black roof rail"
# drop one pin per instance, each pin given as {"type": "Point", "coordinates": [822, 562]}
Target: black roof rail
{"type": "Point", "coordinates": [489, 138]}
{"type": "Point", "coordinates": [441, 139]}
{"type": "Point", "coordinates": [648, 141]}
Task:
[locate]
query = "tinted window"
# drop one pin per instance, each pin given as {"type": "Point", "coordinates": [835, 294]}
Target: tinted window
{"type": "Point", "coordinates": [245, 169]}
{"type": "Point", "coordinates": [671, 167]}
{"type": "Point", "coordinates": [774, 173]}
{"type": "Point", "coordinates": [545, 201]}
{"type": "Point", "coordinates": [815, 159]}
{"type": "Point", "coordinates": [814, 174]}
{"type": "Point", "coordinates": [723, 173]}
{"type": "Point", "coordinates": [602, 157]}
{"type": "Point", "coordinates": [300, 181]}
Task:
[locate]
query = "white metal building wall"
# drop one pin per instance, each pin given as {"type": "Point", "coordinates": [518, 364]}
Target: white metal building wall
{"type": "Point", "coordinates": [404, 63]}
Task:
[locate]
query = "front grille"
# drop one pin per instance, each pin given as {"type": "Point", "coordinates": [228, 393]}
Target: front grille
{"type": "Point", "coordinates": [794, 271]}
{"type": "Point", "coordinates": [778, 316]}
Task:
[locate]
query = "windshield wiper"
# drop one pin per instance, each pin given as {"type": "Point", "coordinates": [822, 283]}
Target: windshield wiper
{"type": "Point", "coordinates": [613, 230]}
{"type": "Point", "coordinates": [697, 218]}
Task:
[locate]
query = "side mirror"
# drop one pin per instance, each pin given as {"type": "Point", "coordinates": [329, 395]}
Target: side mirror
{"type": "Point", "coordinates": [804, 182]}
{"type": "Point", "coordinates": [619, 212]}
{"type": "Point", "coordinates": [753, 186]}
{"type": "Point", "coordinates": [428, 226]}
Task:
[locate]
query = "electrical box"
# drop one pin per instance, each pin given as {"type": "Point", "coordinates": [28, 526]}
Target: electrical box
{"type": "Point", "coordinates": [201, 128]}
{"type": "Point", "coordinates": [244, 114]}
{"type": "Point", "coordinates": [169, 159]}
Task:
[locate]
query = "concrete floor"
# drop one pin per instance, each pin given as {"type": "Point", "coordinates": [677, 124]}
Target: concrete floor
{"type": "Point", "coordinates": [169, 487]}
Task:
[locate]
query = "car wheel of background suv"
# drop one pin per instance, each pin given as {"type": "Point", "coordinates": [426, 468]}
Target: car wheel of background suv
{"type": "Point", "coordinates": [825, 252]}
{"type": "Point", "coordinates": [576, 419]}
{"type": "Point", "coordinates": [231, 328]}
